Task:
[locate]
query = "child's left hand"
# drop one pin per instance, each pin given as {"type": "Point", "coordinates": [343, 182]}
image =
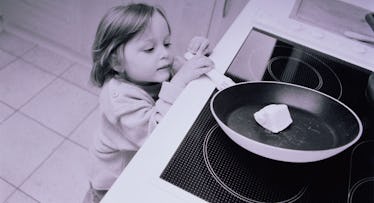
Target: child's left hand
{"type": "Point", "coordinates": [199, 46]}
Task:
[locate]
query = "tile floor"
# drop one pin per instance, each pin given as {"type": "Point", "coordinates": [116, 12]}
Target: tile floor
{"type": "Point", "coordinates": [47, 110]}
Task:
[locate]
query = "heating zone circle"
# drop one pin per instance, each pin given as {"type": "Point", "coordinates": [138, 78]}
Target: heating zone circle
{"type": "Point", "coordinates": [248, 183]}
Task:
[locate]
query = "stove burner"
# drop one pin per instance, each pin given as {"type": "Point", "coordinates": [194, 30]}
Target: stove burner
{"type": "Point", "coordinates": [272, 186]}
{"type": "Point", "coordinates": [293, 65]}
{"type": "Point", "coordinates": [294, 70]}
{"type": "Point", "coordinates": [362, 191]}
{"type": "Point", "coordinates": [361, 173]}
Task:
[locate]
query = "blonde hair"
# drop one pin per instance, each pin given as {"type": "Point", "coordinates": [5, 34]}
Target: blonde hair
{"type": "Point", "coordinates": [119, 25]}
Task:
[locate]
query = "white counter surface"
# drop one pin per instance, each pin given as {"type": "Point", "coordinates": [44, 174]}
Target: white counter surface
{"type": "Point", "coordinates": [140, 181]}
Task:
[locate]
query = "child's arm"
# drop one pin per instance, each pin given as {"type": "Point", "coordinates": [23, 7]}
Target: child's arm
{"type": "Point", "coordinates": [133, 112]}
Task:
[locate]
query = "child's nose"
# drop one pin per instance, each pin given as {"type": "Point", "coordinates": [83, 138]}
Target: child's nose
{"type": "Point", "coordinates": [165, 53]}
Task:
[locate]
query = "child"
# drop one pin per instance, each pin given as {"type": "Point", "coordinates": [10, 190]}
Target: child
{"type": "Point", "coordinates": [132, 63]}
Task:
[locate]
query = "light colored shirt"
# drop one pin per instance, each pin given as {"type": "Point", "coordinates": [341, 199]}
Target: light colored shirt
{"type": "Point", "coordinates": [129, 113]}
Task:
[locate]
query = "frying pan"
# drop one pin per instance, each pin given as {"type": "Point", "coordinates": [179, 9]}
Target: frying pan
{"type": "Point", "coordinates": [322, 126]}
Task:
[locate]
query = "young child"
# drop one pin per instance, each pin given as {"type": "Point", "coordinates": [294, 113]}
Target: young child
{"type": "Point", "coordinates": [133, 65]}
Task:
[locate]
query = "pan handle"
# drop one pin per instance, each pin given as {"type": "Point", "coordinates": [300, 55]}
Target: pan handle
{"type": "Point", "coordinates": [220, 80]}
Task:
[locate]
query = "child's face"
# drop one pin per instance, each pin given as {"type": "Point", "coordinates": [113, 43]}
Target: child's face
{"type": "Point", "coordinates": [147, 56]}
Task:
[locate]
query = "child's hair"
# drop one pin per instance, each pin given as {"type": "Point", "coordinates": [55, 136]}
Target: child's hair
{"type": "Point", "coordinates": [119, 25]}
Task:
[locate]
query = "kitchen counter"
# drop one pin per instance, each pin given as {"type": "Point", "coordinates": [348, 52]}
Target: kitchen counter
{"type": "Point", "coordinates": [140, 181]}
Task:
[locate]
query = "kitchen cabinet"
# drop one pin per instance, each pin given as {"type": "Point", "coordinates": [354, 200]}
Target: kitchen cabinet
{"type": "Point", "coordinates": [224, 13]}
{"type": "Point", "coordinates": [187, 18]}
{"type": "Point", "coordinates": [70, 25]}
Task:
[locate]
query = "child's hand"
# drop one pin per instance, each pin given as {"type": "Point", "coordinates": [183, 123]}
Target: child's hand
{"type": "Point", "coordinates": [192, 69]}
{"type": "Point", "coordinates": [199, 46]}
{"type": "Point", "coordinates": [178, 63]}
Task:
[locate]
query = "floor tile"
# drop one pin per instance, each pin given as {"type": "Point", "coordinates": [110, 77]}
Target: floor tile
{"type": "Point", "coordinates": [80, 75]}
{"type": "Point", "coordinates": [14, 45]}
{"type": "Point", "coordinates": [5, 58]}
{"type": "Point", "coordinates": [5, 112]}
{"type": "Point", "coordinates": [19, 197]}
{"type": "Point", "coordinates": [61, 106]}
{"type": "Point", "coordinates": [24, 144]}
{"type": "Point", "coordinates": [19, 81]}
{"type": "Point", "coordinates": [84, 133]}
{"type": "Point", "coordinates": [47, 60]}
{"type": "Point", "coordinates": [5, 190]}
{"type": "Point", "coordinates": [69, 162]}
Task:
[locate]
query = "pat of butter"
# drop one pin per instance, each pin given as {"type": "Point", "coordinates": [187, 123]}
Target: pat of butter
{"type": "Point", "coordinates": [274, 117]}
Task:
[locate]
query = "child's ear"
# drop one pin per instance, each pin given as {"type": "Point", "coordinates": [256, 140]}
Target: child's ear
{"type": "Point", "coordinates": [115, 63]}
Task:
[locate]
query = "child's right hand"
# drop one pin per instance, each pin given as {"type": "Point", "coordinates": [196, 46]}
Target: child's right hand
{"type": "Point", "coordinates": [192, 69]}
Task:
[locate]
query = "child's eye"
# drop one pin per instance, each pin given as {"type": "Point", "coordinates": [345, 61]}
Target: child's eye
{"type": "Point", "coordinates": [167, 45]}
{"type": "Point", "coordinates": [149, 50]}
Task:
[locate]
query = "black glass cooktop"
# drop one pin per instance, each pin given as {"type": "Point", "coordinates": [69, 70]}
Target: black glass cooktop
{"type": "Point", "coordinates": [211, 166]}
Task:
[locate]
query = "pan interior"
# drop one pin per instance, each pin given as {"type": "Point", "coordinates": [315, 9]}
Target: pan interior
{"type": "Point", "coordinates": [319, 122]}
{"type": "Point", "coordinates": [307, 132]}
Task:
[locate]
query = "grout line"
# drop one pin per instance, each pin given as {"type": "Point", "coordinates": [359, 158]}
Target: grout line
{"type": "Point", "coordinates": [65, 139]}
{"type": "Point", "coordinates": [43, 69]}
{"type": "Point", "coordinates": [3, 179]}
{"type": "Point", "coordinates": [42, 124]}
{"type": "Point", "coordinates": [10, 62]}
{"type": "Point", "coordinates": [57, 48]}
{"type": "Point", "coordinates": [11, 194]}
{"type": "Point", "coordinates": [59, 76]}
{"type": "Point", "coordinates": [33, 198]}
{"type": "Point", "coordinates": [6, 51]}
{"type": "Point", "coordinates": [45, 160]}
{"type": "Point", "coordinates": [2, 102]}
{"type": "Point", "coordinates": [18, 110]}
{"type": "Point", "coordinates": [7, 65]}
{"type": "Point", "coordinates": [56, 132]}
{"type": "Point", "coordinates": [21, 54]}
{"type": "Point", "coordinates": [28, 50]}
{"type": "Point", "coordinates": [77, 143]}
{"type": "Point", "coordinates": [18, 189]}
{"type": "Point", "coordinates": [15, 190]}
{"type": "Point", "coordinates": [38, 167]}
{"type": "Point", "coordinates": [66, 69]}
{"type": "Point", "coordinates": [11, 114]}
{"type": "Point", "coordinates": [82, 121]}
{"type": "Point", "coordinates": [76, 85]}
{"type": "Point", "coordinates": [41, 163]}
{"type": "Point", "coordinates": [37, 93]}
